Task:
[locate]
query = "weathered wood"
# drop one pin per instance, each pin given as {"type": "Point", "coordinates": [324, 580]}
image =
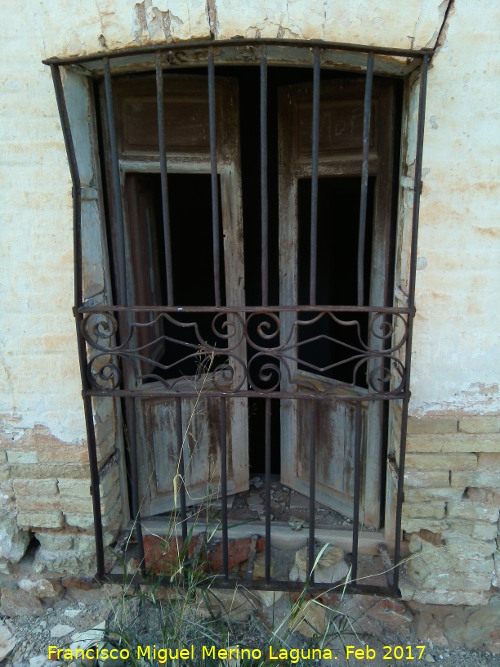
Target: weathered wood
{"type": "Point", "coordinates": [340, 154]}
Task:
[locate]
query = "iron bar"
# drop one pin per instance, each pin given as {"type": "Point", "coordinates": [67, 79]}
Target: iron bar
{"type": "Point", "coordinates": [314, 180]}
{"type": "Point", "coordinates": [413, 272]}
{"type": "Point", "coordinates": [243, 43]}
{"type": "Point", "coordinates": [78, 300]}
{"type": "Point", "coordinates": [357, 491]}
{"type": "Point", "coordinates": [312, 492]}
{"type": "Point", "coordinates": [180, 485]}
{"type": "Point", "coordinates": [262, 585]}
{"type": "Point", "coordinates": [223, 469]}
{"type": "Point", "coordinates": [396, 310]}
{"type": "Point", "coordinates": [364, 179]}
{"type": "Point", "coordinates": [267, 454]}
{"type": "Point", "coordinates": [263, 180]}
{"type": "Point", "coordinates": [164, 180]}
{"type": "Point", "coordinates": [130, 410]}
{"type": "Point", "coordinates": [213, 176]}
{"type": "Point", "coordinates": [246, 393]}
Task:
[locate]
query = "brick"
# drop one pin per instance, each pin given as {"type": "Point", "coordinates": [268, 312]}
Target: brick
{"type": "Point", "coordinates": [3, 457]}
{"type": "Point", "coordinates": [77, 505]}
{"type": "Point", "coordinates": [436, 425]}
{"type": "Point", "coordinates": [462, 480]}
{"type": "Point", "coordinates": [480, 424]}
{"type": "Point", "coordinates": [460, 442]}
{"type": "Point", "coordinates": [30, 487]}
{"type": "Point", "coordinates": [414, 494]}
{"type": "Point", "coordinates": [431, 510]}
{"type": "Point", "coordinates": [412, 525]}
{"type": "Point", "coordinates": [487, 497]}
{"type": "Point", "coordinates": [22, 457]}
{"type": "Point", "coordinates": [37, 503]}
{"type": "Point", "coordinates": [51, 519]}
{"type": "Point", "coordinates": [430, 478]}
{"type": "Point", "coordinates": [479, 530]}
{"type": "Point", "coordinates": [442, 461]}
{"type": "Point", "coordinates": [47, 470]}
{"type": "Point", "coordinates": [489, 462]}
{"type": "Point", "coordinates": [79, 520]}
{"type": "Point", "coordinates": [469, 510]}
{"type": "Point", "coordinates": [74, 488]}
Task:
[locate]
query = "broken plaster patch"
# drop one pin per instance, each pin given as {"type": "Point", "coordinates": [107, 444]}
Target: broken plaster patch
{"type": "Point", "coordinates": [153, 23]}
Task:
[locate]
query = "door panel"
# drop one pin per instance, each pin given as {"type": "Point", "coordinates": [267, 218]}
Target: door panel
{"type": "Point", "coordinates": [177, 345]}
{"type": "Point", "coordinates": [321, 350]}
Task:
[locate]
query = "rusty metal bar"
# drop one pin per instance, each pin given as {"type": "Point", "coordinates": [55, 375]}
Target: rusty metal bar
{"type": "Point", "coordinates": [261, 585]}
{"type": "Point", "coordinates": [134, 478]}
{"type": "Point", "coordinates": [364, 179]}
{"type": "Point", "coordinates": [314, 180]}
{"type": "Point", "coordinates": [413, 272]}
{"type": "Point", "coordinates": [249, 309]}
{"type": "Point", "coordinates": [213, 176]}
{"type": "Point", "coordinates": [164, 180]}
{"type": "Point", "coordinates": [267, 444]}
{"type": "Point", "coordinates": [312, 491]}
{"type": "Point", "coordinates": [78, 300]}
{"type": "Point", "coordinates": [263, 180]}
{"type": "Point", "coordinates": [239, 43]}
{"type": "Point", "coordinates": [223, 469]}
{"type": "Point", "coordinates": [357, 491]}
{"type": "Point", "coordinates": [180, 486]}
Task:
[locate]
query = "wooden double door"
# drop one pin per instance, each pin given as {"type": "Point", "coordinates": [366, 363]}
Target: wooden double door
{"type": "Point", "coordinates": [172, 347]}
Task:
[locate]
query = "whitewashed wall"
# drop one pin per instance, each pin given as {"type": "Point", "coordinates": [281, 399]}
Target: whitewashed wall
{"type": "Point", "coordinates": [456, 364]}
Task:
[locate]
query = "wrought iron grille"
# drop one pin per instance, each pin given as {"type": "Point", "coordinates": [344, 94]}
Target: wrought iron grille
{"type": "Point", "coordinates": [268, 351]}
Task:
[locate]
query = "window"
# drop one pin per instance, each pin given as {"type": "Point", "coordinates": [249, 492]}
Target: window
{"type": "Point", "coordinates": [253, 227]}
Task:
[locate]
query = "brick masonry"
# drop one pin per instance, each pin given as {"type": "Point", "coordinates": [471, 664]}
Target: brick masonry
{"type": "Point", "coordinates": [47, 491]}
{"type": "Point", "coordinates": [451, 508]}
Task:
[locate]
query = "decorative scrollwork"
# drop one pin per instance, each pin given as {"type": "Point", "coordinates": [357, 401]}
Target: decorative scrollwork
{"type": "Point", "coordinates": [103, 372]}
{"type": "Point", "coordinates": [259, 349]}
{"type": "Point", "coordinates": [99, 330]}
{"type": "Point", "coordinates": [264, 372]}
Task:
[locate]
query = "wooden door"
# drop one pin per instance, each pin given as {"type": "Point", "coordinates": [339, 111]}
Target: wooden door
{"type": "Point", "coordinates": [173, 346]}
{"type": "Point", "coordinates": [314, 361]}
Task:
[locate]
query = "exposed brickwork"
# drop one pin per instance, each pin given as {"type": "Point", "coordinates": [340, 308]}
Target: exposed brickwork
{"type": "Point", "coordinates": [451, 508]}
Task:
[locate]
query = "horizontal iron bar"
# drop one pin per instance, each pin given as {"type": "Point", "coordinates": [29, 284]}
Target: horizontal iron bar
{"type": "Point", "coordinates": [152, 49]}
{"type": "Point", "coordinates": [246, 309]}
{"type": "Point", "coordinates": [259, 584]}
{"type": "Point", "coordinates": [248, 393]}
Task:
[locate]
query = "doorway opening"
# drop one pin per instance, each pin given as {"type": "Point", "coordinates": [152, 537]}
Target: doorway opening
{"type": "Point", "coordinates": [303, 339]}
